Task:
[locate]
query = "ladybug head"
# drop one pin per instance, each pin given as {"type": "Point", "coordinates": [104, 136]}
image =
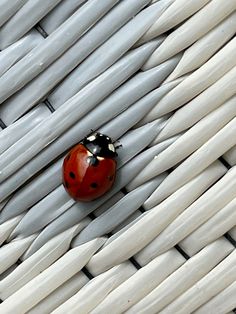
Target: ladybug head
{"type": "Point", "coordinates": [100, 145]}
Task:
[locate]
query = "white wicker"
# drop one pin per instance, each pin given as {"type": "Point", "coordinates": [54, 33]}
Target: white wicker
{"type": "Point", "coordinates": [160, 77]}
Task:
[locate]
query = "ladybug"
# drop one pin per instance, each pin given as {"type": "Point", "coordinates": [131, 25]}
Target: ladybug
{"type": "Point", "coordinates": [89, 169]}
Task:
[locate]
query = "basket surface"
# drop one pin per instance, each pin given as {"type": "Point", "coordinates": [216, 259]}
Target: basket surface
{"type": "Point", "coordinates": [160, 77]}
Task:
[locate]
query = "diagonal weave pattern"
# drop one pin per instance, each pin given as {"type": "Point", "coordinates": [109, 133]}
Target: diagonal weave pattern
{"type": "Point", "coordinates": [160, 77]}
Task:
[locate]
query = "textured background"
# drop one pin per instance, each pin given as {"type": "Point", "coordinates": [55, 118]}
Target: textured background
{"type": "Point", "coordinates": [158, 76]}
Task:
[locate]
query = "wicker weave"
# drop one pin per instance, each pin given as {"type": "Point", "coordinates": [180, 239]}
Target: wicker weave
{"type": "Point", "coordinates": [160, 77]}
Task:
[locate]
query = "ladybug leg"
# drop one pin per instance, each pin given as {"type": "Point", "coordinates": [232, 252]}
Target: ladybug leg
{"type": "Point", "coordinates": [118, 146]}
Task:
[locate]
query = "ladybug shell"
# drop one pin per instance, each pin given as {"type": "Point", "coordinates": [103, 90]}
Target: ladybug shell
{"type": "Point", "coordinates": [84, 181]}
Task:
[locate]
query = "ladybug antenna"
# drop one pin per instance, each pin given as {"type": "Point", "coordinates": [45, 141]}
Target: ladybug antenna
{"type": "Point", "coordinates": [91, 133]}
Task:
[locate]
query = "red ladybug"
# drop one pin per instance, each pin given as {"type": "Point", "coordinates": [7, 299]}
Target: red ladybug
{"type": "Point", "coordinates": [89, 169]}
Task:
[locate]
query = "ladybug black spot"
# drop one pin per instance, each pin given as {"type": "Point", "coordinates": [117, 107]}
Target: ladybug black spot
{"type": "Point", "coordinates": [72, 175]}
{"type": "Point", "coordinates": [94, 185]}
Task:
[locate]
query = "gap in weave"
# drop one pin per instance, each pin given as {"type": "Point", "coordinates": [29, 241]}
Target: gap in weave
{"type": "Point", "coordinates": [142, 209]}
{"type": "Point", "coordinates": [109, 234]}
{"type": "Point", "coordinates": [2, 124]}
{"type": "Point", "coordinates": [49, 105]}
{"type": "Point", "coordinates": [87, 273]}
{"type": "Point", "coordinates": [230, 239]}
{"type": "Point", "coordinates": [135, 263]}
{"type": "Point", "coordinates": [41, 31]}
{"type": "Point", "coordinates": [18, 262]}
{"type": "Point", "coordinates": [92, 216]}
{"type": "Point", "coordinates": [225, 163]}
{"type": "Point", "coordinates": [123, 190]}
{"type": "Point", "coordinates": [182, 252]}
